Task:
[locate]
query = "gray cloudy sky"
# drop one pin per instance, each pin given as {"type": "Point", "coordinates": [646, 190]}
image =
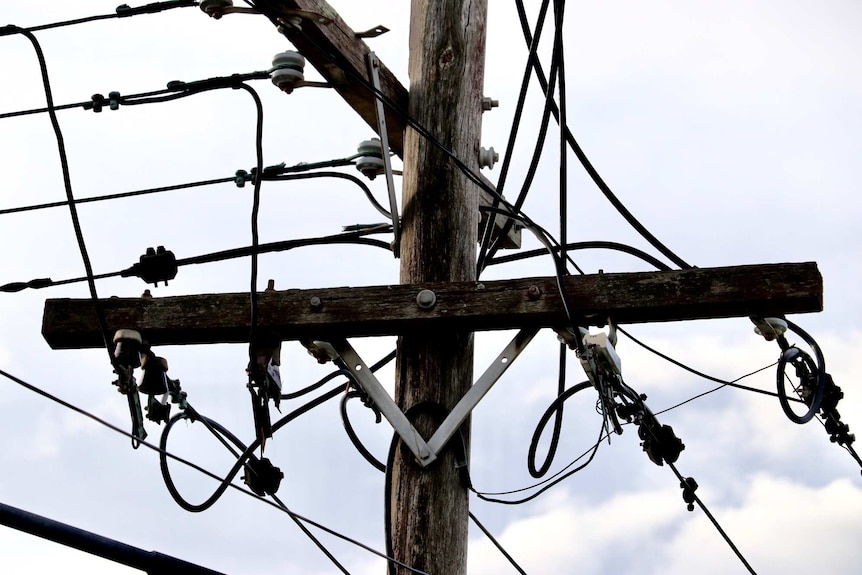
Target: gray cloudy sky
{"type": "Point", "coordinates": [730, 129]}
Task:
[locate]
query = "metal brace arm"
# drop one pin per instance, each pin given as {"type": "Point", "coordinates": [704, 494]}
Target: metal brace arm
{"type": "Point", "coordinates": [425, 452]}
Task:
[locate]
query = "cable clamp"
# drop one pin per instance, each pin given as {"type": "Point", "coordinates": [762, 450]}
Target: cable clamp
{"type": "Point", "coordinates": [689, 486]}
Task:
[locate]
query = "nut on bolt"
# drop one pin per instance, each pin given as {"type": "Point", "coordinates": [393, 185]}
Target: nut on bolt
{"type": "Point", "coordinates": [316, 303]}
{"type": "Point", "coordinates": [533, 292]}
{"type": "Point", "coordinates": [426, 299]}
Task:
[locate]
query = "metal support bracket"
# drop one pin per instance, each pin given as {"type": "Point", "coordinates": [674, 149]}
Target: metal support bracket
{"type": "Point", "coordinates": [426, 452]}
{"type": "Point", "coordinates": [374, 72]}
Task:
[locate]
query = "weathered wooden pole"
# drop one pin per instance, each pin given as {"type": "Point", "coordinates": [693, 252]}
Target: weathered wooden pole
{"type": "Point", "coordinates": [429, 507]}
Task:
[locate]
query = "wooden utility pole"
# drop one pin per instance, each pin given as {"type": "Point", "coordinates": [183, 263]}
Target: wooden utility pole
{"type": "Point", "coordinates": [429, 506]}
{"type": "Point", "coordinates": [439, 303]}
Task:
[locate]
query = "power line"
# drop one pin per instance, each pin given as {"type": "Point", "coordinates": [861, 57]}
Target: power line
{"type": "Point", "coordinates": [164, 453]}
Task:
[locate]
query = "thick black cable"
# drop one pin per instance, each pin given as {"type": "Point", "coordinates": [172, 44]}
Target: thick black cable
{"type": "Point", "coordinates": [383, 211]}
{"type": "Point", "coordinates": [513, 134]}
{"type": "Point", "coordinates": [590, 169]}
{"type": "Point", "coordinates": [559, 6]}
{"type": "Point", "coordinates": [819, 369]}
{"type": "Point", "coordinates": [67, 184]}
{"type": "Point", "coordinates": [255, 211]}
{"type": "Point", "coordinates": [558, 424]}
{"type": "Point", "coordinates": [122, 11]}
{"type": "Point", "coordinates": [589, 245]}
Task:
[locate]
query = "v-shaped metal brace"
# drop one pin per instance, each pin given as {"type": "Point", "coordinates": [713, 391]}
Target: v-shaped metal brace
{"type": "Point", "coordinates": [425, 451]}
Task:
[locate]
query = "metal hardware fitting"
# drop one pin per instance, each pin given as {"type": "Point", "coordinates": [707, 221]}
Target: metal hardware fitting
{"type": "Point", "coordinates": [426, 452]}
{"type": "Point", "coordinates": [374, 72]}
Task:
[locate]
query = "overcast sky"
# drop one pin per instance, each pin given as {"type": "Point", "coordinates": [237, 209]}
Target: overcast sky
{"type": "Point", "coordinates": [731, 130]}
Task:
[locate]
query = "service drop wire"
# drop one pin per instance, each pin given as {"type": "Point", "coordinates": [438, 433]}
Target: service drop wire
{"type": "Point", "coordinates": [67, 184]}
{"type": "Point", "coordinates": [487, 233]}
{"type": "Point", "coordinates": [351, 238]}
{"type": "Point", "coordinates": [628, 393]}
{"type": "Point", "coordinates": [582, 157]}
{"type": "Point", "coordinates": [123, 11]}
{"type": "Point", "coordinates": [163, 453]}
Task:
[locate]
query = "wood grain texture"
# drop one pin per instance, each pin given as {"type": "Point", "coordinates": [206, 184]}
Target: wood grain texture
{"type": "Point", "coordinates": [700, 293]}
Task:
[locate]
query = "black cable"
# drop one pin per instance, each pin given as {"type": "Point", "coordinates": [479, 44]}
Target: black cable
{"type": "Point", "coordinates": [255, 211]}
{"type": "Point", "coordinates": [558, 424]}
{"type": "Point", "coordinates": [122, 11]}
{"type": "Point", "coordinates": [559, 6]}
{"type": "Point", "coordinates": [67, 184]}
{"type": "Point", "coordinates": [497, 544]}
{"type": "Point", "coordinates": [590, 169]}
{"type": "Point", "coordinates": [383, 211]}
{"type": "Point", "coordinates": [713, 520]}
{"type": "Point", "coordinates": [590, 245]}
{"type": "Point", "coordinates": [713, 390]}
{"type": "Point", "coordinates": [510, 145]}
{"type": "Point", "coordinates": [355, 238]}
{"type": "Point", "coordinates": [166, 454]}
{"type": "Point", "coordinates": [699, 373]}
{"type": "Point", "coordinates": [116, 196]}
{"type": "Point", "coordinates": [817, 371]}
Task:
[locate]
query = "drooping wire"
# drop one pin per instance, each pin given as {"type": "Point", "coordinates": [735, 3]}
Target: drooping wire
{"type": "Point", "coordinates": [510, 145]}
{"type": "Point", "coordinates": [198, 468]}
{"type": "Point", "coordinates": [559, 6]}
{"type": "Point", "coordinates": [589, 245]}
{"type": "Point", "coordinates": [67, 184]}
{"type": "Point", "coordinates": [255, 211]}
{"type": "Point", "coordinates": [701, 374]}
{"type": "Point", "coordinates": [590, 169]}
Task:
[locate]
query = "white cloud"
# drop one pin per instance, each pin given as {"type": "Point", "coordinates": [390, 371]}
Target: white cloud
{"type": "Point", "coordinates": [780, 526]}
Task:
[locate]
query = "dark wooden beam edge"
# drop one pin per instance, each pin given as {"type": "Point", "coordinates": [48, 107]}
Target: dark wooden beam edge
{"type": "Point", "coordinates": [740, 291]}
{"type": "Point", "coordinates": [321, 44]}
{"type": "Point", "coordinates": [335, 51]}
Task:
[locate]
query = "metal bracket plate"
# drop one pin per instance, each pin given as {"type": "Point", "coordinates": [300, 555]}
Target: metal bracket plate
{"type": "Point", "coordinates": [426, 451]}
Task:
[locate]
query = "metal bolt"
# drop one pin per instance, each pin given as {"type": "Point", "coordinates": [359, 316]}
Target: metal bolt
{"type": "Point", "coordinates": [423, 454]}
{"type": "Point", "coordinates": [488, 103]}
{"type": "Point", "coordinates": [315, 303]}
{"type": "Point", "coordinates": [147, 294]}
{"type": "Point", "coordinates": [270, 285]}
{"type": "Point", "coordinates": [426, 299]}
{"type": "Point", "coordinates": [533, 292]}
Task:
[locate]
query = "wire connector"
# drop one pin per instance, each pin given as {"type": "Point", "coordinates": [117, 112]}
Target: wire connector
{"type": "Point", "coordinates": [156, 265]}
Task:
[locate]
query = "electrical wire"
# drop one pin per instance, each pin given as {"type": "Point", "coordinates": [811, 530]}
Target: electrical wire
{"type": "Point", "coordinates": [497, 544]}
{"type": "Point", "coordinates": [353, 238]}
{"type": "Point", "coordinates": [67, 184]}
{"type": "Point", "coordinates": [510, 145]}
{"type": "Point", "coordinates": [122, 11]}
{"type": "Point", "coordinates": [163, 453]}
{"type": "Point", "coordinates": [589, 245]}
{"type": "Point", "coordinates": [703, 375]}
{"type": "Point", "coordinates": [590, 169]}
{"type": "Point", "coordinates": [116, 196]}
{"type": "Point", "coordinates": [713, 520]}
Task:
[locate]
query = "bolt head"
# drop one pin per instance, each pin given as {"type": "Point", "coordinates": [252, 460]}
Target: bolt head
{"type": "Point", "coordinates": [426, 299]}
